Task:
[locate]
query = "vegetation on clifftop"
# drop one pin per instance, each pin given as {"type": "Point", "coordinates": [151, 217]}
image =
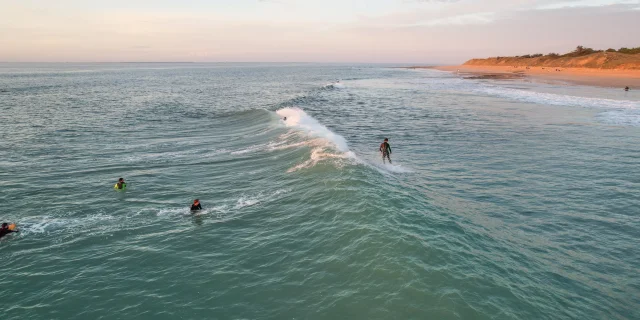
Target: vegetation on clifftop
{"type": "Point", "coordinates": [581, 51]}
{"type": "Point", "coordinates": [581, 57]}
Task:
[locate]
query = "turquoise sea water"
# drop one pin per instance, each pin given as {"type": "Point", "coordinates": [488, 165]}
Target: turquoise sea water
{"type": "Point", "coordinates": [505, 200]}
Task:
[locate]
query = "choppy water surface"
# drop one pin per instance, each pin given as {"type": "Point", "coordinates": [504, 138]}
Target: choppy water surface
{"type": "Point", "coordinates": [505, 200]}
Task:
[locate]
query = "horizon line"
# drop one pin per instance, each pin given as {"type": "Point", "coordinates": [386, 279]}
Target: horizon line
{"type": "Point", "coordinates": [193, 62]}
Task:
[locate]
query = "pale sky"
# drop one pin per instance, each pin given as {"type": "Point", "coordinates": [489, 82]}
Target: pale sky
{"type": "Point", "coordinates": [395, 31]}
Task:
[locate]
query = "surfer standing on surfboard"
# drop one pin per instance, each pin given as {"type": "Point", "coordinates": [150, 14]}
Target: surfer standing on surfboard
{"type": "Point", "coordinates": [385, 148]}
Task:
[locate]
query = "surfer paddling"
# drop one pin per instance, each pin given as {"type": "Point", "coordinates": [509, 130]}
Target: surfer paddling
{"type": "Point", "coordinates": [121, 185]}
{"type": "Point", "coordinates": [196, 206]}
{"type": "Point", "coordinates": [7, 228]}
{"type": "Point", "coordinates": [385, 148]}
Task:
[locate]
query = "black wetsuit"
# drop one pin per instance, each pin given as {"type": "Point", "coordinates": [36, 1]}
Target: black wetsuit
{"type": "Point", "coordinates": [6, 231]}
{"type": "Point", "coordinates": [385, 148]}
{"type": "Point", "coordinates": [195, 207]}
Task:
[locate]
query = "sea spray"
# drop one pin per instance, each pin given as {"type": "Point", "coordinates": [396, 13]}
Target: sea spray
{"type": "Point", "coordinates": [297, 118]}
{"type": "Point", "coordinates": [324, 142]}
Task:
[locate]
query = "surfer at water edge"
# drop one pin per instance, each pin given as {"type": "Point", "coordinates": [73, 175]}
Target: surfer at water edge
{"type": "Point", "coordinates": [385, 148]}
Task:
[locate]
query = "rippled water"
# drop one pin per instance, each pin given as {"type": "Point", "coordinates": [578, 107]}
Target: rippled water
{"type": "Point", "coordinates": [505, 200]}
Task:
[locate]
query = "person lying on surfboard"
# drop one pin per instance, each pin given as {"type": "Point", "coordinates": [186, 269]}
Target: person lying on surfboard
{"type": "Point", "coordinates": [7, 228]}
{"type": "Point", "coordinates": [385, 148]}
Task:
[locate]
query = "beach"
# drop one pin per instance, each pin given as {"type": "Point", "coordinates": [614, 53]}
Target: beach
{"type": "Point", "coordinates": [582, 76]}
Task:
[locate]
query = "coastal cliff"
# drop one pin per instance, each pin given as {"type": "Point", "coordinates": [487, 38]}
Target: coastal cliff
{"type": "Point", "coordinates": [597, 60]}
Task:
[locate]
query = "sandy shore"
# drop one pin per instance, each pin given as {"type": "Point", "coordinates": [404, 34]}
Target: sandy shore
{"type": "Point", "coordinates": [584, 76]}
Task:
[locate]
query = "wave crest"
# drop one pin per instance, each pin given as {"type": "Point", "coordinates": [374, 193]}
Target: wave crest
{"type": "Point", "coordinates": [323, 142]}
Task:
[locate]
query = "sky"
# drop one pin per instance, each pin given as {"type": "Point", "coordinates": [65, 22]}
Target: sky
{"type": "Point", "coordinates": [367, 31]}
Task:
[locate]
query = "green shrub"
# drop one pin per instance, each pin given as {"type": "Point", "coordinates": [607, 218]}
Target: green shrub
{"type": "Point", "coordinates": [580, 51]}
{"type": "Point", "coordinates": [629, 50]}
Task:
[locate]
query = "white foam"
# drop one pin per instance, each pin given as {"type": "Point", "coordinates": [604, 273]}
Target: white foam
{"type": "Point", "coordinates": [317, 142]}
{"type": "Point", "coordinates": [252, 200]}
{"type": "Point", "coordinates": [557, 99]}
{"type": "Point", "coordinates": [186, 211]}
{"type": "Point", "coordinates": [335, 85]}
{"type": "Point", "coordinates": [317, 155]}
{"type": "Point", "coordinates": [621, 117]}
{"type": "Point", "coordinates": [297, 118]}
{"type": "Point", "coordinates": [339, 85]}
{"type": "Point", "coordinates": [394, 168]}
{"type": "Point", "coordinates": [246, 202]}
{"type": "Point", "coordinates": [226, 208]}
{"type": "Point", "coordinates": [250, 149]}
{"type": "Point", "coordinates": [614, 111]}
{"type": "Point", "coordinates": [170, 156]}
{"type": "Point", "coordinates": [222, 209]}
{"type": "Point", "coordinates": [200, 212]}
{"type": "Point", "coordinates": [384, 168]}
{"type": "Point", "coordinates": [273, 145]}
{"type": "Point", "coordinates": [173, 211]}
{"type": "Point", "coordinates": [44, 224]}
{"type": "Point", "coordinates": [324, 142]}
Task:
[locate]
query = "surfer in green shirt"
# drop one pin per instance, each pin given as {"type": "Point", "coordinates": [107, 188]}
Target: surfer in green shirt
{"type": "Point", "coordinates": [121, 184]}
{"type": "Point", "coordinates": [385, 148]}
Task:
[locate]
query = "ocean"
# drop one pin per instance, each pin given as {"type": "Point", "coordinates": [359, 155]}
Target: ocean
{"type": "Point", "coordinates": [505, 200]}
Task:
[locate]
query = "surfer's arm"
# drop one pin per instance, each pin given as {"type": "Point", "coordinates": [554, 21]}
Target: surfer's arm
{"type": "Point", "coordinates": [389, 148]}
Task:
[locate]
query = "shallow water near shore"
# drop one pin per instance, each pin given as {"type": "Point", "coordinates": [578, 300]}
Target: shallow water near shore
{"type": "Point", "coordinates": [505, 199]}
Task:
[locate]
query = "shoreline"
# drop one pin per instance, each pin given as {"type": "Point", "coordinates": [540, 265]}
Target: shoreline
{"type": "Point", "coordinates": [583, 76]}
